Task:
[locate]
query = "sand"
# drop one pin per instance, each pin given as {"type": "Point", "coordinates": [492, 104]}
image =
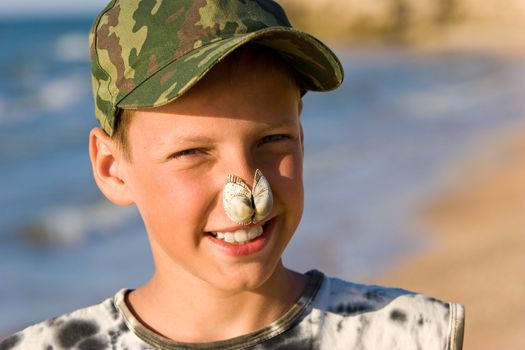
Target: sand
{"type": "Point", "coordinates": [427, 24]}
{"type": "Point", "coordinates": [478, 258]}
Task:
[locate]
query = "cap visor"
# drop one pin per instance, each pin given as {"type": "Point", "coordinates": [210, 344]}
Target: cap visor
{"type": "Point", "coordinates": [315, 62]}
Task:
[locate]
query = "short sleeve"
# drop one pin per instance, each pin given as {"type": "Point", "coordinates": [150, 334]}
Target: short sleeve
{"type": "Point", "coordinates": [456, 327]}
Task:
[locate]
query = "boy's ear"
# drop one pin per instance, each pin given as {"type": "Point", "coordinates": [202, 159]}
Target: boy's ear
{"type": "Point", "coordinates": [105, 162]}
{"type": "Point", "coordinates": [301, 124]}
{"type": "Point", "coordinates": [302, 137]}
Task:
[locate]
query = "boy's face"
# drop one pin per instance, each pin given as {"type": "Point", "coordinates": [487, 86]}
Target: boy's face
{"type": "Point", "coordinates": [232, 123]}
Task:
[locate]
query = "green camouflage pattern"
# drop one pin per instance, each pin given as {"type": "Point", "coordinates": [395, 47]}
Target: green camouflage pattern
{"type": "Point", "coordinates": [146, 53]}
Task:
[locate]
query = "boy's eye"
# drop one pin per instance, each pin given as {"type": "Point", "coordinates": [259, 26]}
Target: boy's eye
{"type": "Point", "coordinates": [186, 153]}
{"type": "Point", "coordinates": [274, 138]}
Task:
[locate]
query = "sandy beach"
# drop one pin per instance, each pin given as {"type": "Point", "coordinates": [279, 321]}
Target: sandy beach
{"type": "Point", "coordinates": [478, 258]}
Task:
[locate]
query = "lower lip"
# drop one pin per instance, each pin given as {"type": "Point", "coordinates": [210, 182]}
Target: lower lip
{"type": "Point", "coordinates": [248, 248]}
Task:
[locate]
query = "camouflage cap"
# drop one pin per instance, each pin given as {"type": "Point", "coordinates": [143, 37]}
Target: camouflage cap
{"type": "Point", "coordinates": [146, 53]}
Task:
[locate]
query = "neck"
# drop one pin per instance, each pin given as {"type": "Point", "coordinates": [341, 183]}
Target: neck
{"type": "Point", "coordinates": [186, 309]}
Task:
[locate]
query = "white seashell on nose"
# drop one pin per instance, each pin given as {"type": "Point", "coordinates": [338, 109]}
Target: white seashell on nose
{"type": "Point", "coordinates": [262, 197]}
{"type": "Point", "coordinates": [244, 206]}
{"type": "Point", "coordinates": [237, 201]}
{"type": "Point", "coordinates": [240, 210]}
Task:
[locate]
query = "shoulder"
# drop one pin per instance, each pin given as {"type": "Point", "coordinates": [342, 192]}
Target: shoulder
{"type": "Point", "coordinates": [376, 317]}
{"type": "Point", "coordinates": [93, 327]}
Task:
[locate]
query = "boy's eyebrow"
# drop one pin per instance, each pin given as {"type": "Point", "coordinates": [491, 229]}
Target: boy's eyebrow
{"type": "Point", "coordinates": [279, 127]}
{"type": "Point", "coordinates": [286, 122]}
{"type": "Point", "coordinates": [190, 139]}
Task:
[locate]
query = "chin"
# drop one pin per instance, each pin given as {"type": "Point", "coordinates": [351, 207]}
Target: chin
{"type": "Point", "coordinates": [246, 277]}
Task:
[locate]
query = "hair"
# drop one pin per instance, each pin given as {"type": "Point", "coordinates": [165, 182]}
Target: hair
{"type": "Point", "coordinates": [254, 54]}
{"type": "Point", "coordinates": [120, 132]}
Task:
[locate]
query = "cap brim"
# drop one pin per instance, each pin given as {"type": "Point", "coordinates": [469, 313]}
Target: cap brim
{"type": "Point", "coordinates": [317, 65]}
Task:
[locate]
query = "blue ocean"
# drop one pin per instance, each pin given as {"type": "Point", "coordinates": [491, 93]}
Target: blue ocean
{"type": "Point", "coordinates": [376, 149]}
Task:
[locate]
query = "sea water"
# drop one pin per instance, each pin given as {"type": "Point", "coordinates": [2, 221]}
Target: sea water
{"type": "Point", "coordinates": [374, 150]}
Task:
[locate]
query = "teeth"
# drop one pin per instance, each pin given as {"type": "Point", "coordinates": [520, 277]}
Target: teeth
{"type": "Point", "coordinates": [255, 232]}
{"type": "Point", "coordinates": [240, 236]}
{"type": "Point", "coordinates": [229, 237]}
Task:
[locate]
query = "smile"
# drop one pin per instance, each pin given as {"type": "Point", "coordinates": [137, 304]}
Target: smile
{"type": "Point", "coordinates": [240, 236]}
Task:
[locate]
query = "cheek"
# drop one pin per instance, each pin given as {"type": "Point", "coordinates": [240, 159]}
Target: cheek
{"type": "Point", "coordinates": [289, 181]}
{"type": "Point", "coordinates": [291, 167]}
{"type": "Point", "coordinates": [166, 200]}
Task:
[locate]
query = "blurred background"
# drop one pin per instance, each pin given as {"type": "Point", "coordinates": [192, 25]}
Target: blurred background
{"type": "Point", "coordinates": [414, 169]}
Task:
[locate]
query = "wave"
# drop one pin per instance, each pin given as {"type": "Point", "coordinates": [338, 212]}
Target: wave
{"type": "Point", "coordinates": [71, 226]}
{"type": "Point", "coordinates": [63, 92]}
{"type": "Point", "coordinates": [52, 96]}
{"type": "Point", "coordinates": [72, 47]}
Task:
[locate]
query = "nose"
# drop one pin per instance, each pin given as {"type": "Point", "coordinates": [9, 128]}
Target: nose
{"type": "Point", "coordinates": [246, 197]}
{"type": "Point", "coordinates": [242, 164]}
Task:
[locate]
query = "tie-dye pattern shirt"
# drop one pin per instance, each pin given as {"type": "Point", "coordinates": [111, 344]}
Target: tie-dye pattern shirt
{"type": "Point", "coordinates": [331, 314]}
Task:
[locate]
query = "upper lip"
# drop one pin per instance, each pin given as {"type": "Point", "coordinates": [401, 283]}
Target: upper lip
{"type": "Point", "coordinates": [241, 227]}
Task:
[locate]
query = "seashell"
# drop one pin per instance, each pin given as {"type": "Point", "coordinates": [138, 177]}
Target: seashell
{"type": "Point", "coordinates": [237, 200]}
{"type": "Point", "coordinates": [244, 206]}
{"type": "Point", "coordinates": [262, 197]}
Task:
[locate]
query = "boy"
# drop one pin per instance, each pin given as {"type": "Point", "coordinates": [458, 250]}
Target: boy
{"type": "Point", "coordinates": [199, 104]}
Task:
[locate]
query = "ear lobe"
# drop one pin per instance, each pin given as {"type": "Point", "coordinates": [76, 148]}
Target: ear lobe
{"type": "Point", "coordinates": [105, 162]}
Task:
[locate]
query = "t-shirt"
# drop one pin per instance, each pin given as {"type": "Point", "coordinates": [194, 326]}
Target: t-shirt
{"type": "Point", "coordinates": [330, 314]}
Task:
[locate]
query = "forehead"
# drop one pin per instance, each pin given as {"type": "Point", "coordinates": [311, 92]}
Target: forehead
{"type": "Point", "coordinates": [248, 86]}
